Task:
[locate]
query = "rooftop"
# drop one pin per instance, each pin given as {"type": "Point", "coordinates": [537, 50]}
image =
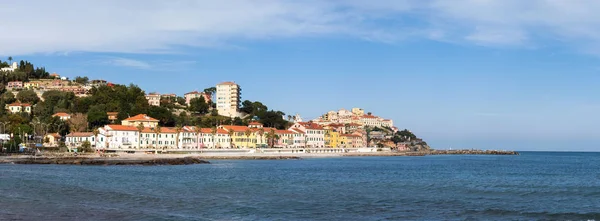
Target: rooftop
{"type": "Point", "coordinates": [141, 117]}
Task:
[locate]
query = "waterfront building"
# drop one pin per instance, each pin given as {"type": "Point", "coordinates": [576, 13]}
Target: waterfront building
{"type": "Point", "coordinates": [242, 136]}
{"type": "Point", "coordinates": [228, 99]}
{"type": "Point", "coordinates": [315, 134]}
{"type": "Point", "coordinates": [286, 138]}
{"type": "Point", "coordinates": [299, 138]}
{"type": "Point", "coordinates": [76, 139]}
{"type": "Point", "coordinates": [115, 136]}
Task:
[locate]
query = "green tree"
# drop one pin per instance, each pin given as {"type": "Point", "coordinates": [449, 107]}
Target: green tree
{"type": "Point", "coordinates": [213, 131]}
{"type": "Point", "coordinates": [28, 96]}
{"type": "Point", "coordinates": [198, 105]}
{"type": "Point", "coordinates": [248, 132]}
{"type": "Point", "coordinates": [162, 114]}
{"type": "Point", "coordinates": [86, 146]}
{"type": "Point", "coordinates": [8, 98]}
{"type": "Point", "coordinates": [81, 80]}
{"type": "Point", "coordinates": [96, 116]}
{"type": "Point", "coordinates": [178, 131]}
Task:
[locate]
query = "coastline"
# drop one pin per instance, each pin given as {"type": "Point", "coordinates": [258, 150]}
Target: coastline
{"type": "Point", "coordinates": [201, 158]}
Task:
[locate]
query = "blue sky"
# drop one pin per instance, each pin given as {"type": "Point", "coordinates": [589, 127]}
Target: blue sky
{"type": "Point", "coordinates": [463, 74]}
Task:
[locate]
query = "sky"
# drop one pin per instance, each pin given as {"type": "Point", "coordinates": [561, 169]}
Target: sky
{"type": "Point", "coordinates": [485, 74]}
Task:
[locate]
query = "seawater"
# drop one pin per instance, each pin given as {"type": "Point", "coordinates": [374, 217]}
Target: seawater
{"type": "Point", "coordinates": [531, 186]}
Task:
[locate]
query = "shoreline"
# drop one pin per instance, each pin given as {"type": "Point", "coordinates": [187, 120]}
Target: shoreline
{"type": "Point", "coordinates": [201, 158]}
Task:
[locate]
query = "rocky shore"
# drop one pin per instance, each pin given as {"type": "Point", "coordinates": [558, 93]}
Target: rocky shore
{"type": "Point", "coordinates": [104, 161]}
{"type": "Point", "coordinates": [472, 152]}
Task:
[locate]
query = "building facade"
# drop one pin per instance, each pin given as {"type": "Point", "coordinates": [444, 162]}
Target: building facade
{"type": "Point", "coordinates": [153, 99]}
{"type": "Point", "coordinates": [228, 99]}
{"type": "Point", "coordinates": [195, 94]}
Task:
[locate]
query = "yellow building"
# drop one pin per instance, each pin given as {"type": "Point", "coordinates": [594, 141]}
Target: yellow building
{"type": "Point", "coordinates": [240, 137]}
{"type": "Point", "coordinates": [332, 138]}
{"type": "Point", "coordinates": [31, 85]}
{"type": "Point", "coordinates": [344, 141]}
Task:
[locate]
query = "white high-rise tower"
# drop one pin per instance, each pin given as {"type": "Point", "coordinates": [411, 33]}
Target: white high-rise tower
{"type": "Point", "coordinates": [228, 99]}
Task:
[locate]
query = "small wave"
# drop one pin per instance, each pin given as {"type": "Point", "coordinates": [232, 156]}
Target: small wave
{"type": "Point", "coordinates": [535, 215]}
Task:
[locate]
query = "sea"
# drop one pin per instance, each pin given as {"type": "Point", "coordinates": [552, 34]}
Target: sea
{"type": "Point", "coordinates": [530, 186]}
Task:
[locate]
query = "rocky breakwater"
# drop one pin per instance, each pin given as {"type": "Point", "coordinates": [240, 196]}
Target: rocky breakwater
{"type": "Point", "coordinates": [472, 152]}
{"type": "Point", "coordinates": [104, 161]}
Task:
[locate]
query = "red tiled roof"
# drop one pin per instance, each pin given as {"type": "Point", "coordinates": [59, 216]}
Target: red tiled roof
{"type": "Point", "coordinates": [61, 114]}
{"type": "Point", "coordinates": [284, 132]}
{"type": "Point", "coordinates": [369, 116]}
{"type": "Point", "coordinates": [80, 134]}
{"type": "Point", "coordinates": [254, 123]}
{"type": "Point", "coordinates": [227, 83]}
{"type": "Point", "coordinates": [122, 127]}
{"type": "Point", "coordinates": [296, 130]}
{"type": "Point", "coordinates": [17, 104]}
{"type": "Point", "coordinates": [236, 128]}
{"type": "Point", "coordinates": [141, 117]}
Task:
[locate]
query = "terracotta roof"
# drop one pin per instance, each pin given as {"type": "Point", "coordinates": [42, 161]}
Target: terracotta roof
{"type": "Point", "coordinates": [254, 123]}
{"type": "Point", "coordinates": [284, 132]}
{"type": "Point", "coordinates": [296, 130]}
{"type": "Point", "coordinates": [227, 83]}
{"type": "Point", "coordinates": [236, 128]}
{"type": "Point", "coordinates": [61, 114]}
{"type": "Point", "coordinates": [55, 135]}
{"type": "Point", "coordinates": [141, 117]}
{"type": "Point", "coordinates": [112, 113]}
{"type": "Point", "coordinates": [194, 92]}
{"type": "Point", "coordinates": [369, 116]}
{"type": "Point", "coordinates": [54, 75]}
{"type": "Point", "coordinates": [17, 104]}
{"type": "Point", "coordinates": [80, 134]}
{"type": "Point", "coordinates": [121, 127]}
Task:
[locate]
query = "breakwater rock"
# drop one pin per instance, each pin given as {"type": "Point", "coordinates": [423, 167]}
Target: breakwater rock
{"type": "Point", "coordinates": [472, 152]}
{"type": "Point", "coordinates": [274, 157]}
{"type": "Point", "coordinates": [105, 161]}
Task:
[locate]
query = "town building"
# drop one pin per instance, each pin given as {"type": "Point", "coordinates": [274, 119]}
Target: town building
{"type": "Point", "coordinates": [153, 99]}
{"type": "Point", "coordinates": [299, 138]}
{"type": "Point", "coordinates": [242, 136]}
{"type": "Point", "coordinates": [62, 116]}
{"type": "Point", "coordinates": [358, 111]}
{"type": "Point", "coordinates": [228, 99]}
{"type": "Point", "coordinates": [315, 134]}
{"type": "Point", "coordinates": [52, 140]}
{"type": "Point", "coordinates": [10, 68]}
{"type": "Point", "coordinates": [31, 85]}
{"type": "Point", "coordinates": [195, 94]}
{"type": "Point", "coordinates": [14, 85]}
{"type": "Point", "coordinates": [143, 119]}
{"type": "Point", "coordinates": [17, 107]}
{"type": "Point", "coordinates": [74, 140]}
{"type": "Point", "coordinates": [112, 116]}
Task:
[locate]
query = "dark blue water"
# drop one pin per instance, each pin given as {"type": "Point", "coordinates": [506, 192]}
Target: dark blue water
{"type": "Point", "coordinates": [532, 186]}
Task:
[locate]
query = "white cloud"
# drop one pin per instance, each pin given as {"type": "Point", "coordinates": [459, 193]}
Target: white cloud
{"type": "Point", "coordinates": [154, 65]}
{"type": "Point", "coordinates": [157, 26]}
{"type": "Point", "coordinates": [126, 62]}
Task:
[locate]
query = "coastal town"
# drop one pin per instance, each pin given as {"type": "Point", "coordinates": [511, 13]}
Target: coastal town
{"type": "Point", "coordinates": [352, 128]}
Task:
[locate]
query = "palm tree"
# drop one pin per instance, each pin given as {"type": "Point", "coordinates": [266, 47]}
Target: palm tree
{"type": "Point", "coordinates": [230, 132]}
{"type": "Point", "coordinates": [248, 132]}
{"type": "Point", "coordinates": [213, 131]}
{"type": "Point", "coordinates": [261, 132]}
{"type": "Point", "coordinates": [198, 131]}
{"type": "Point", "coordinates": [96, 132]}
{"type": "Point", "coordinates": [157, 131]}
{"type": "Point", "coordinates": [177, 130]}
{"type": "Point", "coordinates": [274, 137]}
{"type": "Point", "coordinates": [140, 128]}
{"type": "Point", "coordinates": [289, 117]}
{"type": "Point", "coordinates": [10, 60]}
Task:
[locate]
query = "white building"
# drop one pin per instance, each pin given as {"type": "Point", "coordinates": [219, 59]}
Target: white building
{"type": "Point", "coordinates": [17, 107]}
{"type": "Point", "coordinates": [62, 116]}
{"type": "Point", "coordinates": [11, 68]}
{"type": "Point", "coordinates": [299, 138]}
{"type": "Point", "coordinates": [118, 137]}
{"type": "Point", "coordinates": [76, 139]}
{"type": "Point", "coordinates": [143, 119]}
{"type": "Point", "coordinates": [153, 99]}
{"type": "Point", "coordinates": [228, 99]}
{"type": "Point", "coordinates": [315, 134]}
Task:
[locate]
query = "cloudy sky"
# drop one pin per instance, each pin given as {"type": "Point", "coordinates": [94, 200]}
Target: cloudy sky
{"type": "Point", "coordinates": [508, 74]}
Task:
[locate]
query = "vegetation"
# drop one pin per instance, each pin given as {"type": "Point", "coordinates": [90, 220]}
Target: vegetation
{"type": "Point", "coordinates": [90, 112]}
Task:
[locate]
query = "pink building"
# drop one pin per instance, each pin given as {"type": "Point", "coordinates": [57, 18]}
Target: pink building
{"type": "Point", "coordinates": [195, 94]}
{"type": "Point", "coordinates": [14, 85]}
